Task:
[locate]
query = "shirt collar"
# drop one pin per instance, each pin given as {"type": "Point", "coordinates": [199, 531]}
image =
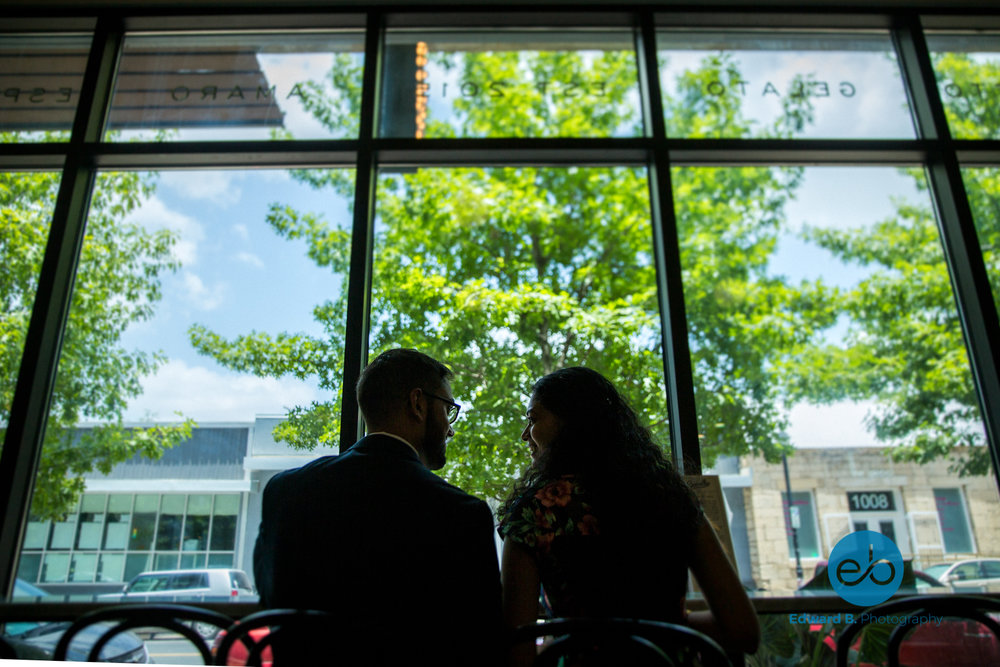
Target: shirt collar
{"type": "Point", "coordinates": [401, 439]}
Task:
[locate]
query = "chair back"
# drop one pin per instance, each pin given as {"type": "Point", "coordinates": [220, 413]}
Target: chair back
{"type": "Point", "coordinates": [908, 614]}
{"type": "Point", "coordinates": [618, 641]}
{"type": "Point", "coordinates": [279, 637]}
{"type": "Point", "coordinates": [189, 622]}
{"type": "Point", "coordinates": [7, 651]}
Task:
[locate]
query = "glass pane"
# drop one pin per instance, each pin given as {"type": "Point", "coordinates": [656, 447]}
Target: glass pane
{"type": "Point", "coordinates": [144, 522]}
{"type": "Point", "coordinates": [63, 533]}
{"type": "Point", "coordinates": [109, 568]}
{"type": "Point", "coordinates": [800, 517]}
{"type": "Point", "coordinates": [966, 67]}
{"type": "Point", "coordinates": [83, 567]}
{"type": "Point", "coordinates": [55, 568]}
{"type": "Point", "coordinates": [93, 503]}
{"type": "Point", "coordinates": [168, 530]}
{"type": "Point", "coordinates": [42, 77]}
{"type": "Point", "coordinates": [116, 532]}
{"type": "Point", "coordinates": [90, 530]}
{"type": "Point", "coordinates": [532, 269]}
{"type": "Point", "coordinates": [27, 200]}
{"type": "Point", "coordinates": [196, 523]}
{"type": "Point", "coordinates": [220, 560]}
{"type": "Point", "coordinates": [166, 561]}
{"type": "Point", "coordinates": [781, 84]}
{"type": "Point", "coordinates": [116, 535]}
{"type": "Point", "coordinates": [983, 188]}
{"type": "Point", "coordinates": [304, 85]}
{"type": "Point", "coordinates": [92, 517]}
{"type": "Point", "coordinates": [120, 503]}
{"type": "Point", "coordinates": [822, 325]}
{"type": "Point", "coordinates": [510, 84]}
{"type": "Point", "coordinates": [954, 524]}
{"type": "Point", "coordinates": [28, 567]}
{"type": "Point", "coordinates": [37, 534]}
{"type": "Point", "coordinates": [224, 522]}
{"type": "Point", "coordinates": [192, 561]}
{"type": "Point", "coordinates": [136, 564]}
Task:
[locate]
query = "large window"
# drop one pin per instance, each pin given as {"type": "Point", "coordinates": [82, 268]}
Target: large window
{"type": "Point", "coordinates": [753, 227]}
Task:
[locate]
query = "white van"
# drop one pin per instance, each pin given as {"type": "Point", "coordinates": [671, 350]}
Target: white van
{"type": "Point", "coordinates": [189, 585]}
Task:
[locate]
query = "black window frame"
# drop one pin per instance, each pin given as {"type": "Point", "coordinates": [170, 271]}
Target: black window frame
{"type": "Point", "coordinates": [84, 155]}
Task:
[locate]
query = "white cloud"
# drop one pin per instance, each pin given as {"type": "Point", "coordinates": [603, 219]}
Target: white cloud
{"type": "Point", "coordinates": [241, 230]}
{"type": "Point", "coordinates": [251, 259]}
{"type": "Point", "coordinates": [835, 425]}
{"type": "Point", "coordinates": [207, 395]}
{"type": "Point", "coordinates": [284, 71]}
{"type": "Point", "coordinates": [213, 186]}
{"type": "Point", "coordinates": [154, 214]}
{"type": "Point", "coordinates": [201, 296]}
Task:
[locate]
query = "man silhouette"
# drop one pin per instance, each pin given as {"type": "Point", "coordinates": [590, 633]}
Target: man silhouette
{"type": "Point", "coordinates": [405, 561]}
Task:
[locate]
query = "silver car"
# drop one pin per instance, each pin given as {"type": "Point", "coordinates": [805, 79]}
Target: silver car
{"type": "Point", "coordinates": [981, 574]}
{"type": "Point", "coordinates": [209, 585]}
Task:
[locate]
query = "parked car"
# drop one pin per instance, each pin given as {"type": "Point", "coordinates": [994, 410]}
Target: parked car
{"type": "Point", "coordinates": [37, 641]}
{"type": "Point", "coordinates": [914, 581]}
{"type": "Point", "coordinates": [239, 653]}
{"type": "Point", "coordinates": [981, 574]}
{"type": "Point", "coordinates": [210, 585]}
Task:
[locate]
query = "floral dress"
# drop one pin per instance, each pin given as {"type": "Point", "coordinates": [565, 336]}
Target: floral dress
{"type": "Point", "coordinates": [582, 572]}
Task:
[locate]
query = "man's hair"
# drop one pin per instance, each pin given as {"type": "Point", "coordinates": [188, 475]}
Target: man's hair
{"type": "Point", "coordinates": [389, 378]}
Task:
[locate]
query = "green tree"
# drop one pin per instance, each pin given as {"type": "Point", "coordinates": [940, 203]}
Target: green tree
{"type": "Point", "coordinates": [904, 346]}
{"type": "Point", "coordinates": [117, 284]}
{"type": "Point", "coordinates": [507, 273]}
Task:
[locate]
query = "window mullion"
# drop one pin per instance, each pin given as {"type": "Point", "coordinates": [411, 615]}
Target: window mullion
{"type": "Point", "coordinates": [963, 254]}
{"type": "Point", "coordinates": [362, 240]}
{"type": "Point", "coordinates": [670, 289]}
{"type": "Point", "coordinates": [36, 378]}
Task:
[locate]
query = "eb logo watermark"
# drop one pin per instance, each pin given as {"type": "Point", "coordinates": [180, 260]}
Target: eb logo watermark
{"type": "Point", "coordinates": [865, 568]}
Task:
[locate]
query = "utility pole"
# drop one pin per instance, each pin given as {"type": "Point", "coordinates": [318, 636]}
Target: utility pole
{"type": "Point", "coordinates": [791, 522]}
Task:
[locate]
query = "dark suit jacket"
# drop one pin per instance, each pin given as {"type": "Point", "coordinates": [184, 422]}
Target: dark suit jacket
{"type": "Point", "coordinates": [406, 561]}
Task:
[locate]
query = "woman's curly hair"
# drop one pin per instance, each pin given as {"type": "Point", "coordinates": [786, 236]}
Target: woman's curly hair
{"type": "Point", "coordinates": [603, 444]}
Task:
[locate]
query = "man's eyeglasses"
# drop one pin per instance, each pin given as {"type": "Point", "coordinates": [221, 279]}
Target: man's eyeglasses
{"type": "Point", "coordinates": [453, 407]}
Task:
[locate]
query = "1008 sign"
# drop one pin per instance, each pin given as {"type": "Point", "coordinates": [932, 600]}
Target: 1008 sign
{"type": "Point", "coordinates": [871, 501]}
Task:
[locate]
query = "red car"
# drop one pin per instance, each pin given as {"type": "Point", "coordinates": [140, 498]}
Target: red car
{"type": "Point", "coordinates": [239, 652]}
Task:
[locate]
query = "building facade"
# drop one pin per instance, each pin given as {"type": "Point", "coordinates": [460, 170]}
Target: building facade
{"type": "Point", "coordinates": [199, 506]}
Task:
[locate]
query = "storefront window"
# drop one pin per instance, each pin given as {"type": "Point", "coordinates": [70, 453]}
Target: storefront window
{"type": "Point", "coordinates": [967, 66]}
{"type": "Point", "coordinates": [757, 84]}
{"type": "Point", "coordinates": [237, 87]}
{"type": "Point", "coordinates": [535, 225]}
{"type": "Point", "coordinates": [510, 84]}
{"type": "Point", "coordinates": [822, 325]}
{"type": "Point", "coordinates": [40, 81]}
